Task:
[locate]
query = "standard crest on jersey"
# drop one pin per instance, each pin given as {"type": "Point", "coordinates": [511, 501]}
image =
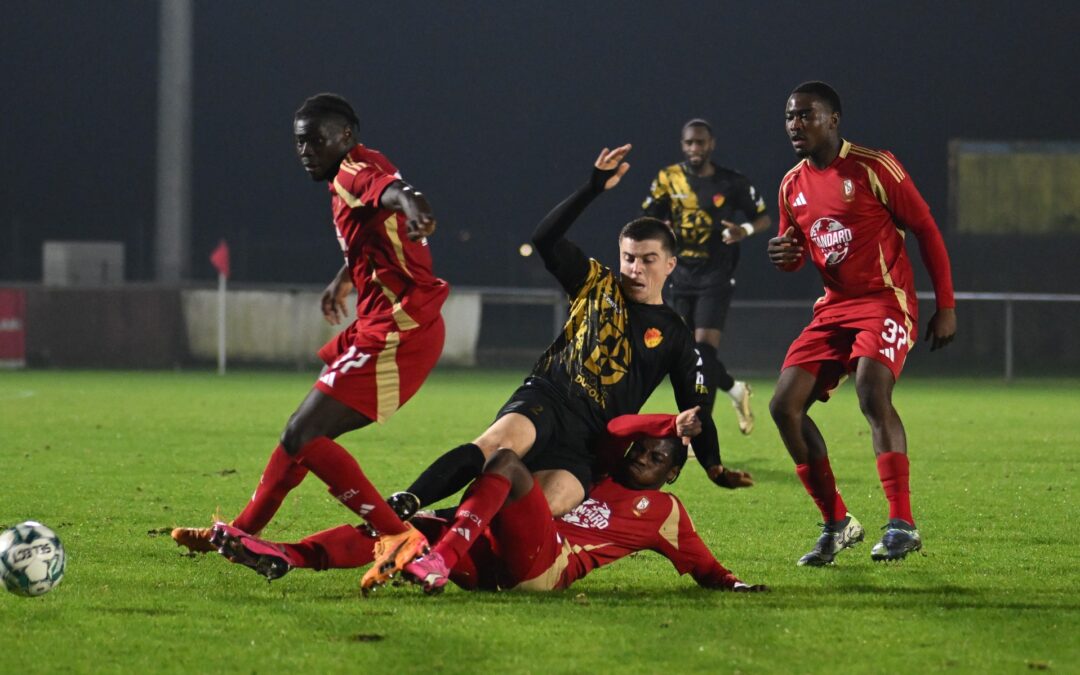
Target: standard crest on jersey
{"type": "Point", "coordinates": [641, 506]}
{"type": "Point", "coordinates": [590, 513]}
{"type": "Point", "coordinates": [849, 190]}
{"type": "Point", "coordinates": [833, 238]}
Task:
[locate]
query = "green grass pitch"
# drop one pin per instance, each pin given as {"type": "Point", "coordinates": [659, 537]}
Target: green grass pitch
{"type": "Point", "coordinates": [112, 460]}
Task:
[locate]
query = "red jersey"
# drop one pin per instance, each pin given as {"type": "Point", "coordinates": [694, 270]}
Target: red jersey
{"type": "Point", "coordinates": [616, 521]}
{"type": "Point", "coordinates": [851, 218]}
{"type": "Point", "coordinates": [395, 286]}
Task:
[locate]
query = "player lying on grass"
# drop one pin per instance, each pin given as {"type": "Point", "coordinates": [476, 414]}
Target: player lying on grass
{"type": "Point", "coordinates": [619, 343]}
{"type": "Point", "coordinates": [380, 360]}
{"type": "Point", "coordinates": [503, 535]}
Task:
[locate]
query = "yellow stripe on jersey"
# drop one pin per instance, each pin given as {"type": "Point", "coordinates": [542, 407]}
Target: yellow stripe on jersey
{"type": "Point", "coordinates": [387, 378]}
{"type": "Point", "coordinates": [669, 530]}
{"type": "Point", "coordinates": [875, 185]}
{"type": "Point", "coordinates": [352, 167]}
{"type": "Point", "coordinates": [901, 295]}
{"type": "Point", "coordinates": [888, 162]}
{"type": "Point", "coordinates": [401, 317]}
{"type": "Point", "coordinates": [346, 196]}
{"type": "Point", "coordinates": [391, 226]}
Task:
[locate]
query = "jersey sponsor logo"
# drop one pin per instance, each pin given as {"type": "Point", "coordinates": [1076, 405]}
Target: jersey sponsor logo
{"type": "Point", "coordinates": [849, 190]}
{"type": "Point", "coordinates": [833, 238]}
{"type": "Point", "coordinates": [641, 507]}
{"type": "Point", "coordinates": [591, 514]}
{"type": "Point", "coordinates": [653, 338]}
{"type": "Point", "coordinates": [800, 200]}
{"type": "Point", "coordinates": [718, 200]}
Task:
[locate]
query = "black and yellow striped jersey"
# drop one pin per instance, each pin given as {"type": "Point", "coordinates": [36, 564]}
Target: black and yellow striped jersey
{"type": "Point", "coordinates": [695, 206]}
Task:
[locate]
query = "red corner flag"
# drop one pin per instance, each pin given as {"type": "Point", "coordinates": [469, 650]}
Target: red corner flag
{"type": "Point", "coordinates": [220, 258]}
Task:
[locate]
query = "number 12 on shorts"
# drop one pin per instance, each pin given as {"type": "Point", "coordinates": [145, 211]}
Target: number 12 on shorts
{"type": "Point", "coordinates": [346, 362]}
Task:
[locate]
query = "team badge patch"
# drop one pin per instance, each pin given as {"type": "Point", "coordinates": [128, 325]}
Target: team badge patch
{"type": "Point", "coordinates": [832, 238]}
{"type": "Point", "coordinates": [653, 337]}
{"type": "Point", "coordinates": [849, 190]}
{"type": "Point", "coordinates": [718, 200]}
{"type": "Point", "coordinates": [641, 506]}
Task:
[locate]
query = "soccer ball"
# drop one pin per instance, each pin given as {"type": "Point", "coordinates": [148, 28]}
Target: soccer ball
{"type": "Point", "coordinates": [31, 559]}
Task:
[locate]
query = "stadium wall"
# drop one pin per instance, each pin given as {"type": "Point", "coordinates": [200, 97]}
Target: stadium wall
{"type": "Point", "coordinates": [137, 326]}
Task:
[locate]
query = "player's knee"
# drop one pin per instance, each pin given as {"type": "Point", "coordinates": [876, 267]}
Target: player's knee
{"type": "Point", "coordinates": [504, 462]}
{"type": "Point", "coordinates": [874, 403]}
{"type": "Point", "coordinates": [784, 409]}
{"type": "Point", "coordinates": [295, 436]}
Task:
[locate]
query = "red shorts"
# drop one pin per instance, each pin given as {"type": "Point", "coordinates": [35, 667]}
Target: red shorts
{"type": "Point", "coordinates": [527, 544]}
{"type": "Point", "coordinates": [374, 373]}
{"type": "Point", "coordinates": [830, 347]}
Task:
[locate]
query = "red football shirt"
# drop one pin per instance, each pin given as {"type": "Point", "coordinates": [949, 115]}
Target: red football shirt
{"type": "Point", "coordinates": [851, 218]}
{"type": "Point", "coordinates": [616, 521]}
{"type": "Point", "coordinates": [395, 286]}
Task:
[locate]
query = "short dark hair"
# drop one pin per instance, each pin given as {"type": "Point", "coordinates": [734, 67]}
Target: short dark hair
{"type": "Point", "coordinates": [699, 122]}
{"type": "Point", "coordinates": [645, 228]}
{"type": "Point", "coordinates": [822, 91]}
{"type": "Point", "coordinates": [326, 104]}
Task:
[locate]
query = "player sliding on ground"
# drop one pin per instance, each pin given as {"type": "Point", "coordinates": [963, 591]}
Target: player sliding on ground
{"type": "Point", "coordinates": [847, 208]}
{"type": "Point", "coordinates": [380, 360]}
{"type": "Point", "coordinates": [504, 536]}
{"type": "Point", "coordinates": [620, 341]}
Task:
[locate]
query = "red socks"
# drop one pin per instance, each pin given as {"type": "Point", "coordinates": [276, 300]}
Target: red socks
{"type": "Point", "coordinates": [482, 501]}
{"type": "Point", "coordinates": [342, 547]}
{"type": "Point", "coordinates": [339, 470]}
{"type": "Point", "coordinates": [817, 478]}
{"type": "Point", "coordinates": [280, 476]}
{"type": "Point", "coordinates": [893, 469]}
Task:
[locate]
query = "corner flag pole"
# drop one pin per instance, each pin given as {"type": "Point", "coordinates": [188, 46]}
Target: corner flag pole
{"type": "Point", "coordinates": [219, 258]}
{"type": "Point", "coordinates": [221, 324]}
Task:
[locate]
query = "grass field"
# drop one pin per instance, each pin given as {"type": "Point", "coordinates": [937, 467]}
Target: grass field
{"type": "Point", "coordinates": [112, 460]}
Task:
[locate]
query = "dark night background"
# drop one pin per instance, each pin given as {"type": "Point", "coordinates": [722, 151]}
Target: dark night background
{"type": "Point", "coordinates": [496, 111]}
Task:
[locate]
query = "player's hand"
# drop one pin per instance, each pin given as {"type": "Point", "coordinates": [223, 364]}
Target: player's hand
{"type": "Point", "coordinates": [612, 160]}
{"type": "Point", "coordinates": [730, 478]}
{"type": "Point", "coordinates": [732, 232]}
{"type": "Point", "coordinates": [333, 298]}
{"type": "Point", "coordinates": [688, 424]}
{"type": "Point", "coordinates": [419, 220]}
{"type": "Point", "coordinates": [942, 328]}
{"type": "Point", "coordinates": [785, 250]}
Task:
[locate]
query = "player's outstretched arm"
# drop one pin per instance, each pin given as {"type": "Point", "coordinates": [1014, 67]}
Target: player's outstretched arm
{"type": "Point", "coordinates": [333, 299]}
{"type": "Point", "coordinates": [608, 170]}
{"type": "Point", "coordinates": [419, 220]}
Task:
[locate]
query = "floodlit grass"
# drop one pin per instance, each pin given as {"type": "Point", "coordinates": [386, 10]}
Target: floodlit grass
{"type": "Point", "coordinates": [112, 460]}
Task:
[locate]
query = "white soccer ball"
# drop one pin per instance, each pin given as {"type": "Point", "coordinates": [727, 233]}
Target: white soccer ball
{"type": "Point", "coordinates": [31, 559]}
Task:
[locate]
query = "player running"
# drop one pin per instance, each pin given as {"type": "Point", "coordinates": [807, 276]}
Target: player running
{"type": "Point", "coordinates": [380, 360]}
{"type": "Point", "coordinates": [847, 208]}
{"type": "Point", "coordinates": [504, 536]}
{"type": "Point", "coordinates": [620, 341]}
{"type": "Point", "coordinates": [704, 202]}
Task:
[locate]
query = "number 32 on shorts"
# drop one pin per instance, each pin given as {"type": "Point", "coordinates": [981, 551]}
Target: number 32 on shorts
{"type": "Point", "coordinates": [896, 337]}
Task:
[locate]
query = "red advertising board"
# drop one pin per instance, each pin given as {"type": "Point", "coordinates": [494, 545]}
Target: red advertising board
{"type": "Point", "coordinates": [12, 328]}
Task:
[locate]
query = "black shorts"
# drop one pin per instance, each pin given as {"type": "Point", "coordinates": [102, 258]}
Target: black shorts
{"type": "Point", "coordinates": [563, 440]}
{"type": "Point", "coordinates": [706, 308]}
